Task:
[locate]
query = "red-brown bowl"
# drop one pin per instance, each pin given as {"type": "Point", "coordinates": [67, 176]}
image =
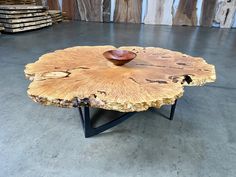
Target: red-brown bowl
{"type": "Point", "coordinates": [119, 57]}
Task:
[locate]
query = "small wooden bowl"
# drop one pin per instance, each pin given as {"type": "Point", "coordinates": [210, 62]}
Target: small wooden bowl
{"type": "Point", "coordinates": [119, 57]}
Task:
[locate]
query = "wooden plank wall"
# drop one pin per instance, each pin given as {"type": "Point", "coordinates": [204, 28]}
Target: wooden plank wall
{"type": "Point", "coordinates": [128, 11]}
{"type": "Point", "coordinates": [217, 13]}
{"type": "Point", "coordinates": [91, 10]}
{"type": "Point", "coordinates": [70, 7]}
{"type": "Point", "coordinates": [186, 13]}
{"type": "Point", "coordinates": [53, 5]}
{"type": "Point", "coordinates": [159, 12]}
{"type": "Point", "coordinates": [106, 10]}
{"type": "Point", "coordinates": [208, 12]}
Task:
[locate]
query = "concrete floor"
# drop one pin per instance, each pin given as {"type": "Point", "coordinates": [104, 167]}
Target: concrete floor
{"type": "Point", "coordinates": [39, 141]}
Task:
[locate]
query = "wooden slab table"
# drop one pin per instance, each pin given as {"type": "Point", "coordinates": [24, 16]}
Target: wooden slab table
{"type": "Point", "coordinates": [82, 77]}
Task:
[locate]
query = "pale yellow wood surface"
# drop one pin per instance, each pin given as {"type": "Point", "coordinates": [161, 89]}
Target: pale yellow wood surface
{"type": "Point", "coordinates": [26, 24]}
{"type": "Point", "coordinates": [20, 11]}
{"type": "Point", "coordinates": [154, 78]}
{"type": "Point", "coordinates": [18, 16]}
{"type": "Point", "coordinates": [20, 7]}
{"type": "Point", "coordinates": [22, 20]}
{"type": "Point", "coordinates": [14, 30]}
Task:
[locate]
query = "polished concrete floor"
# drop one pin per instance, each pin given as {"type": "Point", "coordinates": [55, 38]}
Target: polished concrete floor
{"type": "Point", "coordinates": [39, 141]}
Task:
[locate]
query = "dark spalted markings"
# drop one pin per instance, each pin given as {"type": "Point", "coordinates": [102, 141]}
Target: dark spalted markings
{"type": "Point", "coordinates": [174, 78]}
{"type": "Point", "coordinates": [208, 12]}
{"type": "Point", "coordinates": [187, 79]}
{"type": "Point", "coordinates": [158, 81]}
{"type": "Point", "coordinates": [186, 13]}
{"type": "Point", "coordinates": [131, 78]}
{"type": "Point", "coordinates": [181, 64]}
{"type": "Point", "coordinates": [128, 11]}
{"type": "Point", "coordinates": [225, 13]}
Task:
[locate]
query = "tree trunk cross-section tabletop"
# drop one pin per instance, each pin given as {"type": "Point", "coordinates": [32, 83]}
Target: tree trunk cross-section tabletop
{"type": "Point", "coordinates": [154, 78]}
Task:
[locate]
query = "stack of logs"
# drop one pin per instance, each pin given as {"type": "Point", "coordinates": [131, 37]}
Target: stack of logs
{"type": "Point", "coordinates": [56, 16]}
{"type": "Point", "coordinates": [18, 18]}
{"type": "Point", "coordinates": [13, 2]}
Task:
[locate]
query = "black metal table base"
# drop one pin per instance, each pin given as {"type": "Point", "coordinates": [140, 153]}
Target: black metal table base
{"type": "Point", "coordinates": [90, 131]}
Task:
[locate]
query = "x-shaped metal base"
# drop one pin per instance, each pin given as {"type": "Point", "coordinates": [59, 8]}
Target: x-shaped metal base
{"type": "Point", "coordinates": [89, 130]}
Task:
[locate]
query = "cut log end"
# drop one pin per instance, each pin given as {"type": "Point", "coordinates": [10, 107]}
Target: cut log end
{"type": "Point", "coordinates": [82, 76]}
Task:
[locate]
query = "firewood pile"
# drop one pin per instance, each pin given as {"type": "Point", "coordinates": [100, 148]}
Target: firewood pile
{"type": "Point", "coordinates": [18, 18]}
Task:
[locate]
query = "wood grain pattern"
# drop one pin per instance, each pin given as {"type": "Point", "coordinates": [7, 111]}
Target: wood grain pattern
{"type": "Point", "coordinates": [22, 20]}
{"type": "Point", "coordinates": [70, 7]}
{"type": "Point", "coordinates": [56, 15]}
{"type": "Point", "coordinates": [17, 16]}
{"type": "Point", "coordinates": [225, 13]}
{"type": "Point", "coordinates": [128, 11]}
{"type": "Point", "coordinates": [106, 10]}
{"type": "Point", "coordinates": [20, 7]}
{"type": "Point", "coordinates": [13, 2]}
{"type": "Point", "coordinates": [159, 12]}
{"type": "Point", "coordinates": [154, 78]}
{"type": "Point", "coordinates": [208, 12]}
{"type": "Point", "coordinates": [15, 30]}
{"type": "Point", "coordinates": [91, 10]}
{"type": "Point", "coordinates": [186, 13]}
{"type": "Point", "coordinates": [20, 11]}
{"type": "Point", "coordinates": [53, 4]}
{"type": "Point", "coordinates": [26, 24]}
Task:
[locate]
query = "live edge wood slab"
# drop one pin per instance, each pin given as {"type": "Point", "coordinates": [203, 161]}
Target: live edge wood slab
{"type": "Point", "coordinates": [154, 78]}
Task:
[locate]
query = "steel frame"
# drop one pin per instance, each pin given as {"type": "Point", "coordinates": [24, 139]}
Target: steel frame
{"type": "Point", "coordinates": [90, 131]}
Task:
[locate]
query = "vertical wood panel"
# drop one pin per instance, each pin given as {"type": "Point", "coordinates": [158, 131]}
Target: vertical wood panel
{"type": "Point", "coordinates": [134, 11]}
{"type": "Point", "coordinates": [121, 11]}
{"type": "Point", "coordinates": [71, 9]}
{"type": "Point", "coordinates": [91, 10]}
{"type": "Point", "coordinates": [53, 4]}
{"type": "Point", "coordinates": [106, 10]}
{"type": "Point", "coordinates": [186, 13]}
{"type": "Point", "coordinates": [128, 11]}
{"type": "Point", "coordinates": [208, 12]}
{"type": "Point", "coordinates": [159, 12]}
{"type": "Point", "coordinates": [164, 12]}
{"type": "Point", "coordinates": [225, 13]}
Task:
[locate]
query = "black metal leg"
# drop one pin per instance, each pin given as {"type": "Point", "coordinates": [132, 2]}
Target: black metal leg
{"type": "Point", "coordinates": [91, 131]}
{"type": "Point", "coordinates": [172, 113]}
{"type": "Point", "coordinates": [81, 116]}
